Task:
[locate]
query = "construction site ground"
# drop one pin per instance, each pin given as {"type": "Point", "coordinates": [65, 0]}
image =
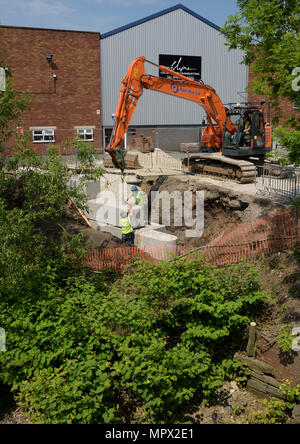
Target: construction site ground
{"type": "Point", "coordinates": [227, 204]}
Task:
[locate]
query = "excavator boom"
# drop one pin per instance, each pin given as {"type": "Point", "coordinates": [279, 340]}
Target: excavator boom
{"type": "Point", "coordinates": [224, 145]}
{"type": "Point", "coordinates": [136, 80]}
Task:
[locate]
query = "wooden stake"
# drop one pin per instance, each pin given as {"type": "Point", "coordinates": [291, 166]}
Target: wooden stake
{"type": "Point", "coordinates": [80, 212]}
{"type": "Point", "coordinates": [251, 342]}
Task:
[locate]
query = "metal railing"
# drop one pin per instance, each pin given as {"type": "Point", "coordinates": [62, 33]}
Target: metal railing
{"type": "Point", "coordinates": [277, 180]}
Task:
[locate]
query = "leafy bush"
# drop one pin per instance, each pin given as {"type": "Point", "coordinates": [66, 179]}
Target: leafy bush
{"type": "Point", "coordinates": [290, 139]}
{"type": "Point", "coordinates": [76, 343]}
{"type": "Point", "coordinates": [91, 348]}
{"type": "Point", "coordinates": [275, 412]}
{"type": "Point", "coordinates": [285, 338]}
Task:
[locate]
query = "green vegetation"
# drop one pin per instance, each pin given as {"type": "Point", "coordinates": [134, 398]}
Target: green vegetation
{"type": "Point", "coordinates": [285, 338]}
{"type": "Point", "coordinates": [11, 108]}
{"type": "Point", "coordinates": [79, 345]}
{"type": "Point", "coordinates": [87, 348]}
{"type": "Point", "coordinates": [268, 33]}
{"type": "Point", "coordinates": [90, 348]}
{"type": "Point", "coordinates": [277, 411]}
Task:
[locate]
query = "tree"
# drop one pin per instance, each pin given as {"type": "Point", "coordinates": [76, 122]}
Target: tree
{"type": "Point", "coordinates": [268, 33]}
{"type": "Point", "coordinates": [11, 108]}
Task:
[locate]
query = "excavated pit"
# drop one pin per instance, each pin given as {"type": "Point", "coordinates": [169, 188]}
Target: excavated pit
{"type": "Point", "coordinates": [223, 208]}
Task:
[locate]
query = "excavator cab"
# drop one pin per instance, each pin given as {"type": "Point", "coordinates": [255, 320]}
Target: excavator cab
{"type": "Point", "coordinates": [252, 136]}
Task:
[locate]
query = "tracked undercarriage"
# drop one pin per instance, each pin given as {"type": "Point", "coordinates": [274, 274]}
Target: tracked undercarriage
{"type": "Point", "coordinates": [218, 165]}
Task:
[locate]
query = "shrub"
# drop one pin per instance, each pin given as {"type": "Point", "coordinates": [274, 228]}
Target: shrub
{"type": "Point", "coordinates": [163, 335]}
{"type": "Point", "coordinates": [285, 338]}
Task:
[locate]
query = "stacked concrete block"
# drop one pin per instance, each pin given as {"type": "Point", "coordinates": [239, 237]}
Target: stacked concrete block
{"type": "Point", "coordinates": [90, 188]}
{"type": "Point", "coordinates": [190, 147]}
{"type": "Point", "coordinates": [159, 160]}
{"type": "Point", "coordinates": [156, 242]}
{"type": "Point", "coordinates": [141, 143]}
{"type": "Point", "coordinates": [107, 197]}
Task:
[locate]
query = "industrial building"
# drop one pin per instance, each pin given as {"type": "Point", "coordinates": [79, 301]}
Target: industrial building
{"type": "Point", "coordinates": [184, 41]}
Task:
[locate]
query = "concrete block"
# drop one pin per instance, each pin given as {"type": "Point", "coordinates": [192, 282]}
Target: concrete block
{"type": "Point", "coordinates": [159, 245]}
{"type": "Point", "coordinates": [93, 207]}
{"type": "Point", "coordinates": [152, 237]}
{"type": "Point", "coordinates": [193, 147]}
{"type": "Point", "coordinates": [115, 231]}
{"type": "Point", "coordinates": [157, 227]}
{"type": "Point", "coordinates": [90, 188]}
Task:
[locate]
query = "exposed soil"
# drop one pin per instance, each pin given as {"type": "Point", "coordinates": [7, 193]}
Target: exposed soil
{"type": "Point", "coordinates": [223, 209]}
{"type": "Point", "coordinates": [280, 277]}
{"type": "Point", "coordinates": [92, 238]}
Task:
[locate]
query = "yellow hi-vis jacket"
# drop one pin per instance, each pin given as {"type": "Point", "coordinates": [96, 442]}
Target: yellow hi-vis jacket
{"type": "Point", "coordinates": [126, 225]}
{"type": "Point", "coordinates": [138, 197]}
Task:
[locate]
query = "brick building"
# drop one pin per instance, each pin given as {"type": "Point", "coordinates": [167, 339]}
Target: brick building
{"type": "Point", "coordinates": [287, 108]}
{"type": "Point", "coordinates": [62, 71]}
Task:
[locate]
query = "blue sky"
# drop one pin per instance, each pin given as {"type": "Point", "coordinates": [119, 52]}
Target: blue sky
{"type": "Point", "coordinates": [101, 15]}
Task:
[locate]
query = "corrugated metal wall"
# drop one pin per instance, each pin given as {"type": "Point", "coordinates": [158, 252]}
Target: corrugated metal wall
{"type": "Point", "coordinates": [178, 33]}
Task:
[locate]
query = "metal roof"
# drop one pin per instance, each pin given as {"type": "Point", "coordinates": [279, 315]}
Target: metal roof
{"type": "Point", "coordinates": [159, 14]}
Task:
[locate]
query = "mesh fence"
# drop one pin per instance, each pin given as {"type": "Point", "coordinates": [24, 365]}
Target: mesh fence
{"type": "Point", "coordinates": [269, 234]}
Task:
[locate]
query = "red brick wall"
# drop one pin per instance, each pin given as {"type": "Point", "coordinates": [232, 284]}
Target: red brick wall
{"type": "Point", "coordinates": [75, 97]}
{"type": "Point", "coordinates": [286, 106]}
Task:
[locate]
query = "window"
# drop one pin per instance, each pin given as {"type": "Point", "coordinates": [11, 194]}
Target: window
{"type": "Point", "coordinates": [43, 135]}
{"type": "Point", "coordinates": [86, 134]}
{"type": "Point", "coordinates": [296, 105]}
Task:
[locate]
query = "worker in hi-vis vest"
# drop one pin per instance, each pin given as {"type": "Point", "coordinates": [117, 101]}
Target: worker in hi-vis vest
{"type": "Point", "coordinates": [136, 197]}
{"type": "Point", "coordinates": [127, 228]}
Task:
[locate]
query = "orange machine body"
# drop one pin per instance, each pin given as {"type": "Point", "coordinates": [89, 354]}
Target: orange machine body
{"type": "Point", "coordinates": [136, 80]}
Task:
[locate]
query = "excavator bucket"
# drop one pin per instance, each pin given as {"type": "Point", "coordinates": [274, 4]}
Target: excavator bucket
{"type": "Point", "coordinates": [131, 161]}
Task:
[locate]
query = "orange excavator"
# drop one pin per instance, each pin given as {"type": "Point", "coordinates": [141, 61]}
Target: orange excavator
{"type": "Point", "coordinates": [232, 136]}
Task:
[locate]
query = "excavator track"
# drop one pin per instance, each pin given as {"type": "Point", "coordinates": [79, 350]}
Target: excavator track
{"type": "Point", "coordinates": [216, 164]}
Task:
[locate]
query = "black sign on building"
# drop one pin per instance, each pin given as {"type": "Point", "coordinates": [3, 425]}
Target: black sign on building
{"type": "Point", "coordinates": [189, 66]}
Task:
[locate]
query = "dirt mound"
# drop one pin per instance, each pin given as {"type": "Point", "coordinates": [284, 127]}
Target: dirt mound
{"type": "Point", "coordinates": [223, 209]}
{"type": "Point", "coordinates": [94, 238]}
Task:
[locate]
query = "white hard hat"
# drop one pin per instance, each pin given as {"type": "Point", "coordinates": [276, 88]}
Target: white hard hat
{"type": "Point", "coordinates": [123, 213]}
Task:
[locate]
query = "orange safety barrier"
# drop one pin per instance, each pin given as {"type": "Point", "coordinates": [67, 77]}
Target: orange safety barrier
{"type": "Point", "coordinates": [269, 234]}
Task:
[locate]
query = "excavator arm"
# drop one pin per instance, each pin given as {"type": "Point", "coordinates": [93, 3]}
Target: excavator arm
{"type": "Point", "coordinates": [136, 80]}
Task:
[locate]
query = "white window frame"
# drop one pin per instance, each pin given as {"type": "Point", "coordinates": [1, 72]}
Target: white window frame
{"type": "Point", "coordinates": [83, 132]}
{"type": "Point", "coordinates": [43, 134]}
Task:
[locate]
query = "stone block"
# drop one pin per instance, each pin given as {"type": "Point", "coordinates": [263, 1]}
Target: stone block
{"type": "Point", "coordinates": [90, 188]}
{"type": "Point", "coordinates": [193, 147]}
{"type": "Point", "coordinates": [153, 237]}
{"type": "Point", "coordinates": [115, 231]}
{"type": "Point", "coordinates": [159, 245]}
